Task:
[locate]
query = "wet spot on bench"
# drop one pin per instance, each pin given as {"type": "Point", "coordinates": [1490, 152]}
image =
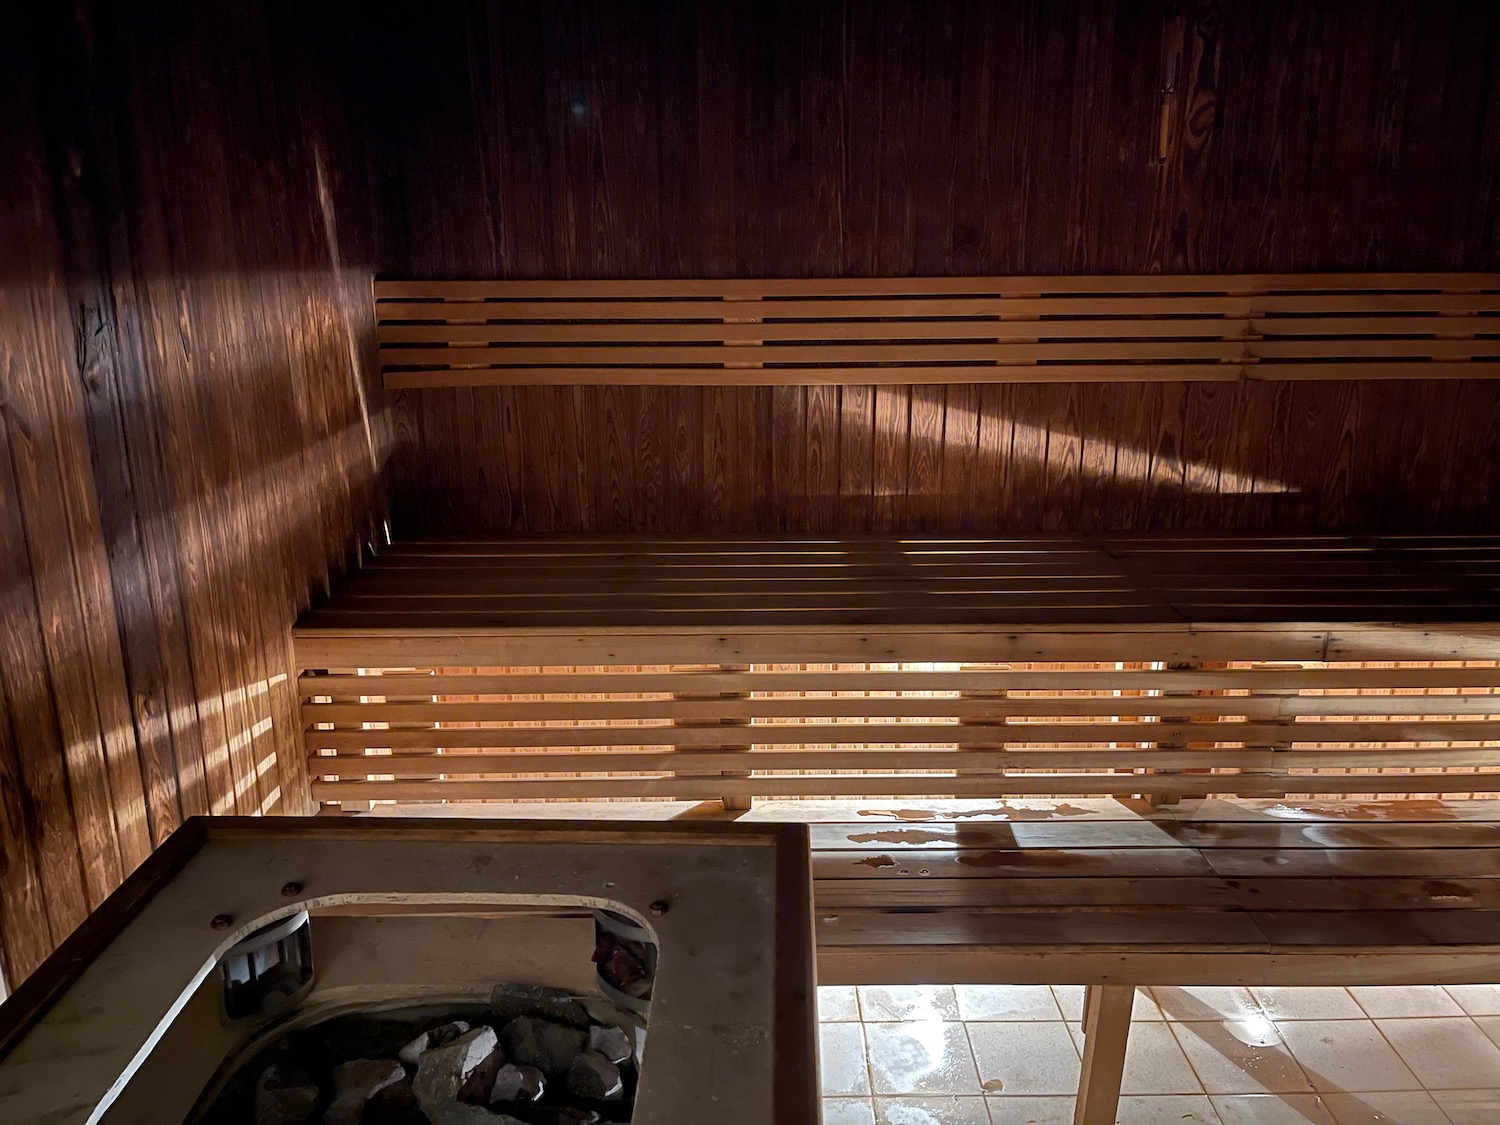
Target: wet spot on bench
{"type": "Point", "coordinates": [1441, 888]}
{"type": "Point", "coordinates": [899, 836]}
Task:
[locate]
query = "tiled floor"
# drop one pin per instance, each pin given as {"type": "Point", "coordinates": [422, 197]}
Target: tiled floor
{"type": "Point", "coordinates": [944, 1055]}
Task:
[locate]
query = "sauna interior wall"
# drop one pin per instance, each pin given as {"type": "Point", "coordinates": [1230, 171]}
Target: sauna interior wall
{"type": "Point", "coordinates": [620, 140]}
{"type": "Point", "coordinates": [190, 449]}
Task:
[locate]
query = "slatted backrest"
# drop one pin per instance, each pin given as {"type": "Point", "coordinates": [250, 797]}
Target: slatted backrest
{"type": "Point", "coordinates": [693, 732]}
{"type": "Point", "coordinates": [939, 330]}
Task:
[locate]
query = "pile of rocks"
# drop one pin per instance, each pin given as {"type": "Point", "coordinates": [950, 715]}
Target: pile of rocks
{"type": "Point", "coordinates": [535, 1056]}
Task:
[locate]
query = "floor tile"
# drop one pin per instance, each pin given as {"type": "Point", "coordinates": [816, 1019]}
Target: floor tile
{"type": "Point", "coordinates": [920, 1057]}
{"type": "Point", "coordinates": [886, 1003]}
{"type": "Point", "coordinates": [1445, 1054]}
{"type": "Point", "coordinates": [1241, 1057]}
{"type": "Point", "coordinates": [1025, 1058]}
{"type": "Point", "coordinates": [1308, 1003]}
{"type": "Point", "coordinates": [1469, 1107]}
{"type": "Point", "coordinates": [837, 1004]}
{"type": "Point", "coordinates": [1407, 1107]}
{"type": "Point", "coordinates": [1490, 1025]}
{"type": "Point", "coordinates": [1007, 1002]}
{"type": "Point", "coordinates": [1477, 999]}
{"type": "Point", "coordinates": [841, 1048]}
{"type": "Point", "coordinates": [1206, 1003]}
{"type": "Point", "coordinates": [1397, 1002]}
{"type": "Point", "coordinates": [1031, 1111]}
{"type": "Point", "coordinates": [1346, 1055]}
{"type": "Point", "coordinates": [1069, 999]}
{"type": "Point", "coordinates": [1154, 1062]}
{"type": "Point", "coordinates": [1158, 1110]}
{"type": "Point", "coordinates": [848, 1111]}
{"type": "Point", "coordinates": [1271, 1109]}
{"type": "Point", "coordinates": [931, 1111]}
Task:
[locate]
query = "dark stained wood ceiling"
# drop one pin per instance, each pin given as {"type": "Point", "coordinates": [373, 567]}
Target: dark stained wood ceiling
{"type": "Point", "coordinates": [939, 138]}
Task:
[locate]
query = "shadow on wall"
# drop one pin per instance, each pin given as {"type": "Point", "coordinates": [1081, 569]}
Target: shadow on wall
{"type": "Point", "coordinates": [193, 444]}
{"type": "Point", "coordinates": [954, 459]}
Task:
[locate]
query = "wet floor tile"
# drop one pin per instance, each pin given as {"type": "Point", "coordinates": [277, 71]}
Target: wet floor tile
{"type": "Point", "coordinates": [841, 1050]}
{"type": "Point", "coordinates": [884, 1004]}
{"type": "Point", "coordinates": [1025, 1058]}
{"type": "Point", "coordinates": [1241, 1057]}
{"type": "Point", "coordinates": [921, 1058]}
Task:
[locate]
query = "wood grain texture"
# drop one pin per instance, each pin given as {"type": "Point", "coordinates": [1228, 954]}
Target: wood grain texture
{"type": "Point", "coordinates": [823, 333]}
{"type": "Point", "coordinates": [604, 141]}
{"type": "Point", "coordinates": [189, 446]}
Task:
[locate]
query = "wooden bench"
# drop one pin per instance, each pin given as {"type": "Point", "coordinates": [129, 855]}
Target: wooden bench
{"type": "Point", "coordinates": [1114, 895]}
{"type": "Point", "coordinates": [938, 330]}
{"type": "Point", "coordinates": [1175, 666]}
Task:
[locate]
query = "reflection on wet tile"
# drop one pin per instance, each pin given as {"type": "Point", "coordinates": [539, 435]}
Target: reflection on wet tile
{"type": "Point", "coordinates": [1025, 1058]}
{"type": "Point", "coordinates": [921, 1058]}
{"type": "Point", "coordinates": [837, 1004]}
{"type": "Point", "coordinates": [1308, 1003]}
{"type": "Point", "coordinates": [848, 1111]}
{"type": "Point", "coordinates": [1346, 1055]}
{"type": "Point", "coordinates": [1445, 1054]}
{"type": "Point", "coordinates": [931, 1111]}
{"type": "Point", "coordinates": [1007, 1002]}
{"type": "Point", "coordinates": [881, 1004]}
{"type": "Point", "coordinates": [841, 1049]}
{"type": "Point", "coordinates": [1206, 1003]}
{"type": "Point", "coordinates": [1244, 1056]}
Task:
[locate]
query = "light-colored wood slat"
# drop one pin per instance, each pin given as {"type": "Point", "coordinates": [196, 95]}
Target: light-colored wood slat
{"type": "Point", "coordinates": [1099, 931]}
{"type": "Point", "coordinates": [1390, 928]}
{"type": "Point", "coordinates": [962, 734]}
{"type": "Point", "coordinates": [419, 378]}
{"type": "Point", "coordinates": [1378, 863]}
{"type": "Point", "coordinates": [1282, 679]}
{"type": "Point", "coordinates": [1004, 894]}
{"type": "Point", "coordinates": [977, 329]}
{"type": "Point", "coordinates": [1451, 893]}
{"type": "Point", "coordinates": [454, 330]}
{"type": "Point", "coordinates": [906, 707]}
{"type": "Point", "coordinates": [319, 643]}
{"type": "Point", "coordinates": [860, 354]}
{"type": "Point", "coordinates": [1287, 966]}
{"type": "Point", "coordinates": [851, 354]}
{"type": "Point", "coordinates": [395, 289]}
{"type": "Point", "coordinates": [1227, 863]}
{"type": "Point", "coordinates": [1149, 833]}
{"type": "Point", "coordinates": [881, 759]}
{"type": "Point", "coordinates": [1166, 892]}
{"type": "Point", "coordinates": [1115, 305]}
{"type": "Point", "coordinates": [905, 785]}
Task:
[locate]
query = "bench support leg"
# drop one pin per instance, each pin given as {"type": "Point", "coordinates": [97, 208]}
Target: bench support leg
{"type": "Point", "coordinates": [1106, 1028]}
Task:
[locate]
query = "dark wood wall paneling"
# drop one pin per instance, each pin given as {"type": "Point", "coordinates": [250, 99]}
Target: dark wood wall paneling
{"type": "Point", "coordinates": [189, 447]}
{"type": "Point", "coordinates": [942, 138]}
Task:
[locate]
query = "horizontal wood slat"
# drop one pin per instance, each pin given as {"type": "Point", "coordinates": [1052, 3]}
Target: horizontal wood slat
{"type": "Point", "coordinates": [1041, 687]}
{"type": "Point", "coordinates": [1049, 580]}
{"type": "Point", "coordinates": [938, 330]}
